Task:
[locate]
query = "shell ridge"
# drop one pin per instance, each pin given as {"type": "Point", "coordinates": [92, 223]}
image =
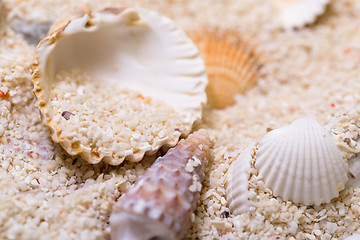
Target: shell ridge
{"type": "Point", "coordinates": [319, 192]}
{"type": "Point", "coordinates": [299, 173]}
{"type": "Point", "coordinates": [289, 189]}
{"type": "Point", "coordinates": [283, 166]}
{"type": "Point", "coordinates": [330, 170]}
{"type": "Point", "coordinates": [271, 165]}
{"type": "Point", "coordinates": [266, 144]}
{"type": "Point", "coordinates": [341, 166]}
{"type": "Point", "coordinates": [237, 188]}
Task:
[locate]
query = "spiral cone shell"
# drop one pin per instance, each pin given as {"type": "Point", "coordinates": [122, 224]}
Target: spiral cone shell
{"type": "Point", "coordinates": [162, 200]}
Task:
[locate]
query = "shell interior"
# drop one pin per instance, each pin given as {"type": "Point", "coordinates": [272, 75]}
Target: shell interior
{"type": "Point", "coordinates": [298, 13]}
{"type": "Point", "coordinates": [135, 49]}
{"type": "Point", "coordinates": [232, 65]}
{"type": "Point", "coordinates": [238, 182]}
{"type": "Point", "coordinates": [138, 49]}
{"type": "Point", "coordinates": [301, 163]}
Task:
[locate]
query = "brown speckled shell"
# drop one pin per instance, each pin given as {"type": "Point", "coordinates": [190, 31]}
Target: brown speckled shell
{"type": "Point", "coordinates": [164, 187]}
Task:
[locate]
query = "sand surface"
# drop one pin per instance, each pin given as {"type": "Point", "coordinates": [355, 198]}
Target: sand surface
{"type": "Point", "coordinates": [314, 71]}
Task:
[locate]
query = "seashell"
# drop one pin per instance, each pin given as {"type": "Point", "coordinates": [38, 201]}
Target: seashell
{"type": "Point", "coordinates": [354, 172]}
{"type": "Point", "coordinates": [238, 181]}
{"type": "Point", "coordinates": [232, 65]}
{"type": "Point", "coordinates": [161, 202]}
{"type": "Point", "coordinates": [69, 15]}
{"type": "Point", "coordinates": [133, 55]}
{"type": "Point", "coordinates": [300, 162]}
{"type": "Point", "coordinates": [298, 13]}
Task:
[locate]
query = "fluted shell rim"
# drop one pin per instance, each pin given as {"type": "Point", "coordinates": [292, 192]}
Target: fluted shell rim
{"type": "Point", "coordinates": [58, 31]}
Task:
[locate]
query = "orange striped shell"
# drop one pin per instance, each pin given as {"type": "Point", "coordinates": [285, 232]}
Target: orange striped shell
{"type": "Point", "coordinates": [232, 65]}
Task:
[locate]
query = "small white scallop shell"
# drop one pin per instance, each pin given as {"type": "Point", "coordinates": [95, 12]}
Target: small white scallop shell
{"type": "Point", "coordinates": [238, 182]}
{"type": "Point", "coordinates": [300, 162]}
{"type": "Point", "coordinates": [298, 13]}
{"type": "Point", "coordinates": [354, 172]}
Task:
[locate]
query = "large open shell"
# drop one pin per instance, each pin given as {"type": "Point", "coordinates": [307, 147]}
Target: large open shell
{"type": "Point", "coordinates": [238, 182]}
{"type": "Point", "coordinates": [232, 65]}
{"type": "Point", "coordinates": [160, 204]}
{"type": "Point", "coordinates": [301, 163]}
{"type": "Point", "coordinates": [136, 49]}
{"type": "Point", "coordinates": [298, 13]}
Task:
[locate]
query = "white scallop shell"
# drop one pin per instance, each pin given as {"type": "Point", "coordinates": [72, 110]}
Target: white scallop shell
{"type": "Point", "coordinates": [133, 48]}
{"type": "Point", "coordinates": [238, 182]}
{"type": "Point", "coordinates": [354, 172]}
{"type": "Point", "coordinates": [298, 13]}
{"type": "Point", "coordinates": [300, 162]}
